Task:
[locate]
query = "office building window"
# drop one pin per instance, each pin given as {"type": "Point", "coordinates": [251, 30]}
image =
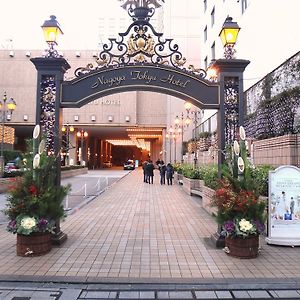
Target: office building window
{"type": "Point", "coordinates": [213, 51]}
{"type": "Point", "coordinates": [205, 34]}
{"type": "Point", "coordinates": [212, 17]}
{"type": "Point", "coordinates": [205, 5]}
{"type": "Point", "coordinates": [244, 4]}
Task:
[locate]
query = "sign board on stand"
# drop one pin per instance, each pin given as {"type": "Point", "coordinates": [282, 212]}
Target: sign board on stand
{"type": "Point", "coordinates": [284, 206]}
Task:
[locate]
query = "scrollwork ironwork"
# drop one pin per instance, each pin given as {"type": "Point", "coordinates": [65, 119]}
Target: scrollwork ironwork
{"type": "Point", "coordinates": [140, 43]}
{"type": "Point", "coordinates": [231, 108]}
{"type": "Point", "coordinates": [47, 103]}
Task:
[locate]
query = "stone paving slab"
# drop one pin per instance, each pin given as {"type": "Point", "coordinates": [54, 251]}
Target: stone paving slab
{"type": "Point", "coordinates": [206, 295]}
{"type": "Point", "coordinates": [286, 294]}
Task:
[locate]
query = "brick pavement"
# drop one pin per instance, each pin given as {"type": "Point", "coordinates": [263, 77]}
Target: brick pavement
{"type": "Point", "coordinates": [136, 231]}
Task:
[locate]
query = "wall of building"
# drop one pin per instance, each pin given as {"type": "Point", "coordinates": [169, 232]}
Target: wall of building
{"type": "Point", "coordinates": [282, 150]}
{"type": "Point", "coordinates": [284, 77]}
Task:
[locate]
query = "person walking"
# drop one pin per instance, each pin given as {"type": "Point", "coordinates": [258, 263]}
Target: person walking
{"type": "Point", "coordinates": [162, 172]}
{"type": "Point", "coordinates": [170, 173]}
{"type": "Point", "coordinates": [145, 171]}
{"type": "Point", "coordinates": [150, 171]}
{"type": "Point", "coordinates": [158, 163]}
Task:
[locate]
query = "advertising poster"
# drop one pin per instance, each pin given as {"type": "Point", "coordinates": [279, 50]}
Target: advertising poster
{"type": "Point", "coordinates": [284, 206]}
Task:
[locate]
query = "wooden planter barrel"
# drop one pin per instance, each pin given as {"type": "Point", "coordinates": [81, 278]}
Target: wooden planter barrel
{"type": "Point", "coordinates": [35, 244]}
{"type": "Point", "coordinates": [242, 247]}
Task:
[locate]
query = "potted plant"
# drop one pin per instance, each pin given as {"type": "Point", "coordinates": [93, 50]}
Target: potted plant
{"type": "Point", "coordinates": [240, 212]}
{"type": "Point", "coordinates": [242, 216]}
{"type": "Point", "coordinates": [35, 203]}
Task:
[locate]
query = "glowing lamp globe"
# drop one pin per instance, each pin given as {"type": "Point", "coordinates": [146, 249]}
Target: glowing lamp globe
{"type": "Point", "coordinates": [229, 32]}
{"type": "Point", "coordinates": [11, 104]}
{"type": "Point", "coordinates": [51, 30]}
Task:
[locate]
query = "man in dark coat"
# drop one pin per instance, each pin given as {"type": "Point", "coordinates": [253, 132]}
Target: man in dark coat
{"type": "Point", "coordinates": [145, 171]}
{"type": "Point", "coordinates": [150, 171]}
{"type": "Point", "coordinates": [162, 171]}
{"type": "Point", "coordinates": [170, 173]}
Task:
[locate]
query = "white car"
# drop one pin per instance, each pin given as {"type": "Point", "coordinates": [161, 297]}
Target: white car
{"type": "Point", "coordinates": [129, 165]}
{"type": "Point", "coordinates": [107, 164]}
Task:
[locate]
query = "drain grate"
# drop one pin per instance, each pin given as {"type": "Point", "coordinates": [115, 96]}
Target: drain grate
{"type": "Point", "coordinates": [21, 298]}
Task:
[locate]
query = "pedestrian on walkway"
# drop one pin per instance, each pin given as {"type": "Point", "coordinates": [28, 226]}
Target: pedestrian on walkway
{"type": "Point", "coordinates": [158, 163]}
{"type": "Point", "coordinates": [144, 170]}
{"type": "Point", "coordinates": [170, 173]}
{"type": "Point", "coordinates": [162, 172]}
{"type": "Point", "coordinates": [150, 171]}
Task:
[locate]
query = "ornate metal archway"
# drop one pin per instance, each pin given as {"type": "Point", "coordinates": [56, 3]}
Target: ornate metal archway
{"type": "Point", "coordinates": [139, 59]}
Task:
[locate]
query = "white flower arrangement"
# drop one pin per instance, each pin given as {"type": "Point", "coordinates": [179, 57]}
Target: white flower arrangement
{"type": "Point", "coordinates": [245, 225]}
{"type": "Point", "coordinates": [28, 223]}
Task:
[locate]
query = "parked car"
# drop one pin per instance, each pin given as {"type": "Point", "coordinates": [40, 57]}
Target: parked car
{"type": "Point", "coordinates": [11, 167]}
{"type": "Point", "coordinates": [129, 165]}
{"type": "Point", "coordinates": [107, 164]}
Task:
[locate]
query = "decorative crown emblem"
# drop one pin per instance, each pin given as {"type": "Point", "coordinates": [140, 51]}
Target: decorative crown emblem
{"type": "Point", "coordinates": [132, 4]}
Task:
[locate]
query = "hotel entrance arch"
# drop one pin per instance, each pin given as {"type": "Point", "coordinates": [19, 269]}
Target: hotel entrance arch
{"type": "Point", "coordinates": [140, 59]}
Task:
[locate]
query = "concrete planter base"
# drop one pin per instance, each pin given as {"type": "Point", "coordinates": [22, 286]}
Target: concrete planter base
{"type": "Point", "coordinates": [191, 184]}
{"type": "Point", "coordinates": [207, 195]}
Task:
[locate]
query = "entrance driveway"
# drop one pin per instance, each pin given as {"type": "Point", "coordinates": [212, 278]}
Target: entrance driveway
{"type": "Point", "coordinates": [137, 231]}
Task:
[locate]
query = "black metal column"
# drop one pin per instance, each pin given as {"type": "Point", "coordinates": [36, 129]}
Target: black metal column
{"type": "Point", "coordinates": [49, 114]}
{"type": "Point", "coordinates": [231, 112]}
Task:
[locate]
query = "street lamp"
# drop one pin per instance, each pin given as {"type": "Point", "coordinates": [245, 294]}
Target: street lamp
{"type": "Point", "coordinates": [51, 31]}
{"type": "Point", "coordinates": [180, 123]}
{"type": "Point", "coordinates": [174, 136]}
{"type": "Point", "coordinates": [5, 107]}
{"type": "Point", "coordinates": [169, 136]}
{"type": "Point", "coordinates": [228, 35]}
{"type": "Point", "coordinates": [67, 129]}
{"type": "Point", "coordinates": [82, 134]}
{"type": "Point", "coordinates": [195, 116]}
{"type": "Point", "coordinates": [212, 72]}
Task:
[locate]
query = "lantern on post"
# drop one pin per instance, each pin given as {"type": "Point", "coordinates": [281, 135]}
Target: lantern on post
{"type": "Point", "coordinates": [52, 30]}
{"type": "Point", "coordinates": [228, 35]}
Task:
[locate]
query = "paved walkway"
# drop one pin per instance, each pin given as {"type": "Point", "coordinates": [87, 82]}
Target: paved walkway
{"type": "Point", "coordinates": [138, 232]}
{"type": "Point", "coordinates": [58, 291]}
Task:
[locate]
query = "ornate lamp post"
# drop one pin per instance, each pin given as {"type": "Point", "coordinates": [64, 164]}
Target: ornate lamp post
{"type": "Point", "coordinates": [50, 75]}
{"type": "Point", "coordinates": [231, 113]}
{"type": "Point", "coordinates": [180, 123]}
{"type": "Point", "coordinates": [174, 136]}
{"type": "Point", "coordinates": [169, 136]}
{"type": "Point", "coordinates": [82, 134]}
{"type": "Point", "coordinates": [5, 108]}
{"type": "Point", "coordinates": [51, 31]}
{"type": "Point", "coordinates": [195, 116]}
{"type": "Point", "coordinates": [67, 129]}
{"type": "Point", "coordinates": [228, 35]}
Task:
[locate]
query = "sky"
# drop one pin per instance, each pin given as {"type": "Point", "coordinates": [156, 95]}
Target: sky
{"type": "Point", "coordinates": [21, 20]}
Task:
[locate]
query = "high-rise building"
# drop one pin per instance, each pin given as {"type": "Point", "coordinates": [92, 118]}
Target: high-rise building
{"type": "Point", "coordinates": [268, 36]}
